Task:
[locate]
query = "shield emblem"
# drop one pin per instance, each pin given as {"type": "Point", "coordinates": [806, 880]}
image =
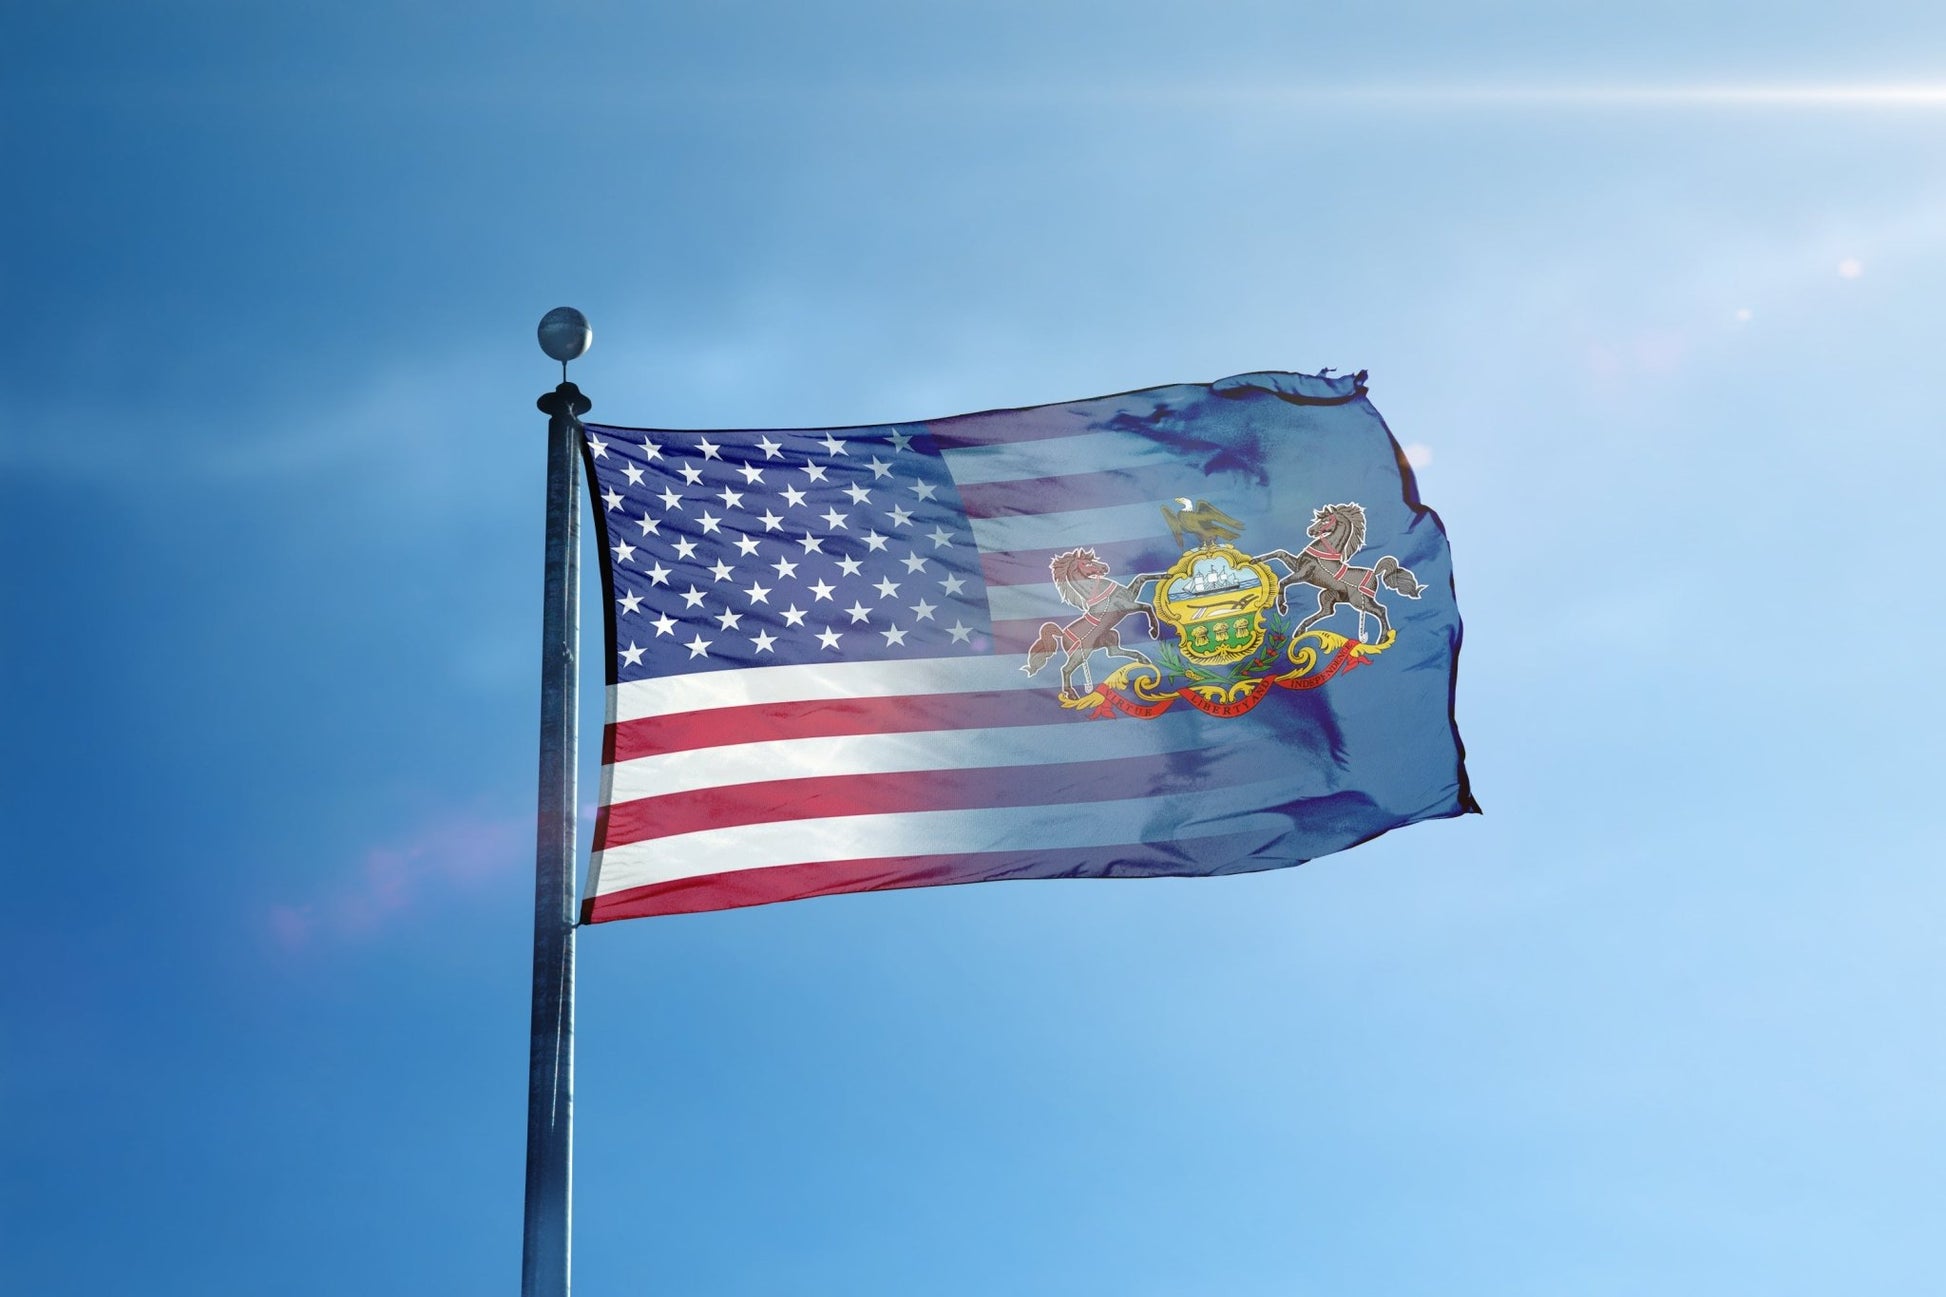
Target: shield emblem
{"type": "Point", "coordinates": [1214, 598]}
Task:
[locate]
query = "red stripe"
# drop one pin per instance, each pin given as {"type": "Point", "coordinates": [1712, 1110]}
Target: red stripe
{"type": "Point", "coordinates": [826, 718]}
{"type": "Point", "coordinates": [1032, 423]}
{"type": "Point", "coordinates": [1019, 636]}
{"type": "Point", "coordinates": [832, 877]}
{"type": "Point", "coordinates": [760, 887]}
{"type": "Point", "coordinates": [823, 796]}
{"type": "Point", "coordinates": [1022, 497]}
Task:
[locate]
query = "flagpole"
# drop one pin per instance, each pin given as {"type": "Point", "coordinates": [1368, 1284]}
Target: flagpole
{"type": "Point", "coordinates": [545, 1240]}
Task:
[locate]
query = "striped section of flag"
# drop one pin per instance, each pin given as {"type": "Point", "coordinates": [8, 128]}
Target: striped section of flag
{"type": "Point", "coordinates": [819, 670]}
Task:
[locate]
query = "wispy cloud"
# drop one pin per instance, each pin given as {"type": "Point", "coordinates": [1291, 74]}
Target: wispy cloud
{"type": "Point", "coordinates": [427, 868]}
{"type": "Point", "coordinates": [382, 423]}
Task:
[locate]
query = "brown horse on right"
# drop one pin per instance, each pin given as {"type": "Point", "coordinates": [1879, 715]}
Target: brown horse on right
{"type": "Point", "coordinates": [1337, 533]}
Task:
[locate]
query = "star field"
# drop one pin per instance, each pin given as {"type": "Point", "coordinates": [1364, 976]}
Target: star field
{"type": "Point", "coordinates": [744, 549]}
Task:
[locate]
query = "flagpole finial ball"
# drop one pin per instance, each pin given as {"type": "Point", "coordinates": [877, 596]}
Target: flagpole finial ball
{"type": "Point", "coordinates": [565, 334]}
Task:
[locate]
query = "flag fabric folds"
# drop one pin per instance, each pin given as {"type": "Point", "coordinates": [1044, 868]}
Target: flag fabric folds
{"type": "Point", "coordinates": [1198, 629]}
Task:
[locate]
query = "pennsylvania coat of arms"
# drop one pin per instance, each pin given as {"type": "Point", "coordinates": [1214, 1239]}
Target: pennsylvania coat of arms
{"type": "Point", "coordinates": [1226, 613]}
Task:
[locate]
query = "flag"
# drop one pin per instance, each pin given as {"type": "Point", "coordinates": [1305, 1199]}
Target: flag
{"type": "Point", "coordinates": [1197, 629]}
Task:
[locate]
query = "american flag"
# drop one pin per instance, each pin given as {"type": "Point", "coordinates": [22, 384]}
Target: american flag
{"type": "Point", "coordinates": [817, 646]}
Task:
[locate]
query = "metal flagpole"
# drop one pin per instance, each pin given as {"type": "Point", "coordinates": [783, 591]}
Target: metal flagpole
{"type": "Point", "coordinates": [545, 1249]}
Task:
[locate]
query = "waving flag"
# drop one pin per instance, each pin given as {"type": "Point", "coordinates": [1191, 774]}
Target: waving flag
{"type": "Point", "coordinates": [1199, 629]}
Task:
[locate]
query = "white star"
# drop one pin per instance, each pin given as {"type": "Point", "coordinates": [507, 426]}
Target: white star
{"type": "Point", "coordinates": [793, 497]}
{"type": "Point", "coordinates": [913, 563]}
{"type": "Point", "coordinates": [763, 640]}
{"type": "Point", "coordinates": [821, 591]}
{"type": "Point", "coordinates": [658, 575]}
{"type": "Point", "coordinates": [793, 616]}
{"type": "Point", "coordinates": [670, 500]}
{"type": "Point", "coordinates": [698, 647]}
{"type": "Point", "coordinates": [900, 440]}
{"type": "Point", "coordinates": [848, 566]}
{"type": "Point", "coordinates": [731, 499]}
{"type": "Point", "coordinates": [811, 542]}
{"type": "Point", "coordinates": [691, 474]}
{"type": "Point", "coordinates": [859, 612]}
{"type": "Point", "coordinates": [632, 656]}
{"type": "Point", "coordinates": [708, 448]}
{"type": "Point", "coordinates": [720, 570]}
{"type": "Point", "coordinates": [814, 472]}
{"type": "Point", "coordinates": [664, 625]}
{"type": "Point", "coordinates": [611, 498]}
{"type": "Point", "coordinates": [828, 638]}
{"type": "Point", "coordinates": [879, 468]}
{"type": "Point", "coordinates": [952, 584]}
{"type": "Point", "coordinates": [729, 620]}
{"type": "Point", "coordinates": [923, 489]}
{"type": "Point", "coordinates": [752, 475]}
{"type": "Point", "coordinates": [624, 551]}
{"type": "Point", "coordinates": [834, 520]}
{"type": "Point", "coordinates": [923, 610]}
{"type": "Point", "coordinates": [959, 630]}
{"type": "Point", "coordinates": [832, 446]}
{"type": "Point", "coordinates": [901, 517]}
{"type": "Point", "coordinates": [768, 447]}
{"type": "Point", "coordinates": [858, 494]}
{"type": "Point", "coordinates": [685, 548]}
{"type": "Point", "coordinates": [758, 593]}
{"type": "Point", "coordinates": [649, 526]}
{"type": "Point", "coordinates": [596, 446]}
{"type": "Point", "coordinates": [694, 599]}
{"type": "Point", "coordinates": [630, 601]}
{"type": "Point", "coordinates": [875, 541]}
{"type": "Point", "coordinates": [651, 451]}
{"type": "Point", "coordinates": [746, 545]}
{"type": "Point", "coordinates": [771, 521]}
{"type": "Point", "coordinates": [783, 567]}
{"type": "Point", "coordinates": [893, 636]}
{"type": "Point", "coordinates": [709, 522]}
{"type": "Point", "coordinates": [940, 537]}
{"type": "Point", "coordinates": [633, 474]}
{"type": "Point", "coordinates": [886, 587]}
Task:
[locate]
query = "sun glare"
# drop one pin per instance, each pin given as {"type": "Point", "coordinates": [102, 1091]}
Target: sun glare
{"type": "Point", "coordinates": [1922, 94]}
{"type": "Point", "coordinates": [1860, 96]}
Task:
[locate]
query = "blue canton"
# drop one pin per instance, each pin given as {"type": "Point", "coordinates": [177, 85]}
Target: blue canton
{"type": "Point", "coordinates": [740, 549]}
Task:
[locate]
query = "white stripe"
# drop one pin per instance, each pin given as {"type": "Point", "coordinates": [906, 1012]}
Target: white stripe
{"type": "Point", "coordinates": [1022, 602]}
{"type": "Point", "coordinates": [1094, 452]}
{"type": "Point", "coordinates": [875, 754]}
{"type": "Point", "coordinates": [917, 833]}
{"type": "Point", "coordinates": [701, 690]}
{"type": "Point", "coordinates": [1075, 527]}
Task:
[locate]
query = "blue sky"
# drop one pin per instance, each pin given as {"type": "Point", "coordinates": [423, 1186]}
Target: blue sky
{"type": "Point", "coordinates": [1664, 1019]}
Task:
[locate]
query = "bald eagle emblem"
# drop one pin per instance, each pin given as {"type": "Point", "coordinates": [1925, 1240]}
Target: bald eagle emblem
{"type": "Point", "coordinates": [1202, 521]}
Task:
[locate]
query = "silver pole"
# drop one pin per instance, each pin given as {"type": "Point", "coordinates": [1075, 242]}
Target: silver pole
{"type": "Point", "coordinates": [545, 1241]}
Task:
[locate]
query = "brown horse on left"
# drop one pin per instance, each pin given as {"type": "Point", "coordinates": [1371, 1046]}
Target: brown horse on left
{"type": "Point", "coordinates": [1082, 580]}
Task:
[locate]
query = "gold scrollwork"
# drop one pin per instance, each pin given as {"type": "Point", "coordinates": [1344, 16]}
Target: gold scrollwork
{"type": "Point", "coordinates": [1305, 656]}
{"type": "Point", "coordinates": [1223, 694]}
{"type": "Point", "coordinates": [1324, 646]}
{"type": "Point", "coordinates": [1138, 678]}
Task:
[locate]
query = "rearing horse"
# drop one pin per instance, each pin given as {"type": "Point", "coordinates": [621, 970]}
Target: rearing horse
{"type": "Point", "coordinates": [1082, 580]}
{"type": "Point", "coordinates": [1337, 533]}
